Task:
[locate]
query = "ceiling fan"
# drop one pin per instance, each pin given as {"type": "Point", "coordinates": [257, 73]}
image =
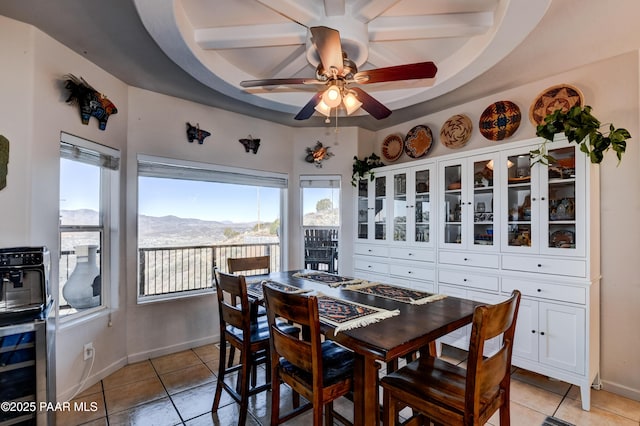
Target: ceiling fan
{"type": "Point", "coordinates": [337, 72]}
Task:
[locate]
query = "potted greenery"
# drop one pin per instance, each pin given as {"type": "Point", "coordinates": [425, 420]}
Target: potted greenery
{"type": "Point", "coordinates": [364, 167]}
{"type": "Point", "coordinates": [581, 127]}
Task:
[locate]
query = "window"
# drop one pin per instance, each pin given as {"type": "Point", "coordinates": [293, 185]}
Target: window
{"type": "Point", "coordinates": [193, 216]}
{"type": "Point", "coordinates": [320, 221]}
{"type": "Point", "coordinates": [88, 208]}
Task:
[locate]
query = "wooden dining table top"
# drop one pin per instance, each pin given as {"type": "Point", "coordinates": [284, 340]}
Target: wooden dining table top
{"type": "Point", "coordinates": [414, 328]}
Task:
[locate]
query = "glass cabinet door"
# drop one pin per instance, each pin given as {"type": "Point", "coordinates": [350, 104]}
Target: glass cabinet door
{"type": "Point", "coordinates": [400, 206]}
{"type": "Point", "coordinates": [363, 209]}
{"type": "Point", "coordinates": [452, 206]}
{"type": "Point", "coordinates": [482, 202]}
{"type": "Point", "coordinates": [380, 208]}
{"type": "Point", "coordinates": [520, 194]}
{"type": "Point", "coordinates": [422, 232]}
{"type": "Point", "coordinates": [561, 215]}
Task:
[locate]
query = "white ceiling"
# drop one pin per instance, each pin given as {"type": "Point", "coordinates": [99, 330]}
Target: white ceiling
{"type": "Point", "coordinates": [114, 37]}
{"type": "Point", "coordinates": [257, 39]}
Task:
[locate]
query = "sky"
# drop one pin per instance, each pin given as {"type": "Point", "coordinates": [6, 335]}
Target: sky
{"type": "Point", "coordinates": [186, 199]}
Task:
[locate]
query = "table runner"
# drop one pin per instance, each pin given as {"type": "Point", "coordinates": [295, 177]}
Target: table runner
{"type": "Point", "coordinates": [254, 288]}
{"type": "Point", "coordinates": [344, 315]}
{"type": "Point", "coordinates": [332, 280]}
{"type": "Point", "coordinates": [400, 294]}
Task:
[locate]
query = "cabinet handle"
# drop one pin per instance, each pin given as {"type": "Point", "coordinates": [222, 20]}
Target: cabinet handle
{"type": "Point", "coordinates": [539, 265]}
{"type": "Point", "coordinates": [533, 331]}
{"type": "Point", "coordinates": [533, 198]}
{"type": "Point", "coordinates": [464, 279]}
{"type": "Point", "coordinates": [542, 333]}
{"type": "Point", "coordinates": [369, 250]}
{"type": "Point", "coordinates": [539, 290]}
{"type": "Point", "coordinates": [409, 272]}
{"type": "Point", "coordinates": [542, 198]}
{"type": "Point", "coordinates": [465, 259]}
{"type": "Point", "coordinates": [410, 254]}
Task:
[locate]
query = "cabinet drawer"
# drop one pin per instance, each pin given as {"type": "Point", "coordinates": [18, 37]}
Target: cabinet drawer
{"type": "Point", "coordinates": [556, 266]}
{"type": "Point", "coordinates": [371, 250]}
{"type": "Point", "coordinates": [427, 286]}
{"type": "Point", "coordinates": [372, 265]}
{"type": "Point", "coordinates": [410, 253]}
{"type": "Point", "coordinates": [470, 259]}
{"type": "Point", "coordinates": [410, 271]}
{"type": "Point", "coordinates": [552, 291]}
{"type": "Point", "coordinates": [485, 282]}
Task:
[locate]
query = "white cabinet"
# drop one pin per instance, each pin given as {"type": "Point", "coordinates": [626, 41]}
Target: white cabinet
{"type": "Point", "coordinates": [496, 222]}
{"type": "Point", "coordinates": [468, 202]}
{"type": "Point", "coordinates": [411, 205]}
{"type": "Point", "coordinates": [545, 209]}
{"type": "Point", "coordinates": [372, 208]}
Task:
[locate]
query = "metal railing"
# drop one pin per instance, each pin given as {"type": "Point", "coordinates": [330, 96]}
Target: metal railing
{"type": "Point", "coordinates": [171, 270]}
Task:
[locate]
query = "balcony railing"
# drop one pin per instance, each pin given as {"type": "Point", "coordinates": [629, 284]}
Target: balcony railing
{"type": "Point", "coordinates": [170, 270]}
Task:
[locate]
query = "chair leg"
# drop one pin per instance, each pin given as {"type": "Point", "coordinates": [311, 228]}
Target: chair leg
{"type": "Point", "coordinates": [221, 371]}
{"type": "Point", "coordinates": [232, 355]}
{"type": "Point", "coordinates": [328, 414]}
{"type": "Point", "coordinates": [275, 399]}
{"type": "Point", "coordinates": [505, 415]}
{"type": "Point", "coordinates": [243, 381]}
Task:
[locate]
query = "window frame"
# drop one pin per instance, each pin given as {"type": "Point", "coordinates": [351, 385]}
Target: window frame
{"type": "Point", "coordinates": [108, 160]}
{"type": "Point", "coordinates": [170, 168]}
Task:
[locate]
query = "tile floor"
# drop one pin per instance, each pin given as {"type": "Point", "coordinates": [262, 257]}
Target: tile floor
{"type": "Point", "coordinates": [178, 389]}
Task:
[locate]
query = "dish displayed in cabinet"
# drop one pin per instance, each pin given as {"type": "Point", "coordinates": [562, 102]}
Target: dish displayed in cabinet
{"type": "Point", "coordinates": [562, 239]}
{"type": "Point", "coordinates": [562, 209]}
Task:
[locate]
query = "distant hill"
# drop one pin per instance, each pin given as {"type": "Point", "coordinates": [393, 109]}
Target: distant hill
{"type": "Point", "coordinates": [176, 231]}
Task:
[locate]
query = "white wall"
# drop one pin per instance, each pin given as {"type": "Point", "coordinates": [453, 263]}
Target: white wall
{"type": "Point", "coordinates": [34, 113]}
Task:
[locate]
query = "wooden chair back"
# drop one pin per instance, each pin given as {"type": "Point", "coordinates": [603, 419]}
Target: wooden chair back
{"type": "Point", "coordinates": [305, 357]}
{"type": "Point", "coordinates": [233, 301]}
{"type": "Point", "coordinates": [490, 375]}
{"type": "Point", "coordinates": [256, 265]}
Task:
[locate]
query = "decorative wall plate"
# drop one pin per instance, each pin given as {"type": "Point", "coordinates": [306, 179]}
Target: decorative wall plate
{"type": "Point", "coordinates": [561, 96]}
{"type": "Point", "coordinates": [500, 120]}
{"type": "Point", "coordinates": [392, 147]}
{"type": "Point", "coordinates": [418, 141]}
{"type": "Point", "coordinates": [456, 131]}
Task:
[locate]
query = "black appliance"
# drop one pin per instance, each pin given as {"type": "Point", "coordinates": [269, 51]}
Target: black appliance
{"type": "Point", "coordinates": [27, 335]}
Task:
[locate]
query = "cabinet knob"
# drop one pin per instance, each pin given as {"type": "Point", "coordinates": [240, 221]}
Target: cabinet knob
{"type": "Point", "coordinates": [410, 272]}
{"type": "Point", "coordinates": [539, 265]}
{"type": "Point", "coordinates": [369, 250]}
{"type": "Point", "coordinates": [533, 331]}
{"type": "Point", "coordinates": [542, 333]}
{"type": "Point", "coordinates": [369, 266]}
{"type": "Point", "coordinates": [464, 279]}
{"type": "Point", "coordinates": [542, 198]}
{"type": "Point", "coordinates": [539, 290]}
{"type": "Point", "coordinates": [465, 259]}
{"type": "Point", "coordinates": [533, 198]}
{"type": "Point", "coordinates": [410, 254]}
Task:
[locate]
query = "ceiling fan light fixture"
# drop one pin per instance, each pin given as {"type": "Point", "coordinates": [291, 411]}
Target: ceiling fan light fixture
{"type": "Point", "coordinates": [332, 97]}
{"type": "Point", "coordinates": [351, 103]}
{"type": "Point", "coordinates": [323, 108]}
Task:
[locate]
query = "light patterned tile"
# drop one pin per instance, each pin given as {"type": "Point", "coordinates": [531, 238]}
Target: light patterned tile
{"type": "Point", "coordinates": [129, 373]}
{"type": "Point", "coordinates": [571, 411]}
{"type": "Point", "coordinates": [179, 380]}
{"type": "Point", "coordinates": [87, 408]}
{"type": "Point", "coordinates": [611, 402]}
{"type": "Point", "coordinates": [197, 401]}
{"type": "Point", "coordinates": [158, 413]}
{"type": "Point", "coordinates": [95, 388]}
{"type": "Point", "coordinates": [177, 361]}
{"type": "Point", "coordinates": [520, 415]}
{"type": "Point", "coordinates": [132, 394]}
{"type": "Point", "coordinates": [207, 353]}
{"type": "Point", "coordinates": [534, 397]}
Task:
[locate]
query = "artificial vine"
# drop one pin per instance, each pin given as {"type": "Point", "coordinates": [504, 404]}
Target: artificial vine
{"type": "Point", "coordinates": [363, 167]}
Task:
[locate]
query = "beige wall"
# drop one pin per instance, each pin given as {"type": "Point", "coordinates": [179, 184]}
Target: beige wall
{"type": "Point", "coordinates": [33, 114]}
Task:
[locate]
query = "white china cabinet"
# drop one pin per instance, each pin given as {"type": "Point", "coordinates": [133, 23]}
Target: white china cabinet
{"type": "Point", "coordinates": [496, 222]}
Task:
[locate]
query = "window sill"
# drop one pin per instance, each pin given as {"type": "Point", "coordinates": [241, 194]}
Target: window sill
{"type": "Point", "coordinates": [175, 296]}
{"type": "Point", "coordinates": [81, 317]}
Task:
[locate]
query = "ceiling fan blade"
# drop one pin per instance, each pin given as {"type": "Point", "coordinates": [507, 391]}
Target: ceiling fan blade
{"type": "Point", "coordinates": [371, 105]}
{"type": "Point", "coordinates": [308, 110]}
{"type": "Point", "coordinates": [327, 42]}
{"type": "Point", "coordinates": [396, 73]}
{"type": "Point", "coordinates": [278, 82]}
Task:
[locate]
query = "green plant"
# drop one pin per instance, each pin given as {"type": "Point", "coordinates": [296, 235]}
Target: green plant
{"type": "Point", "coordinates": [363, 167]}
{"type": "Point", "coordinates": [581, 127]}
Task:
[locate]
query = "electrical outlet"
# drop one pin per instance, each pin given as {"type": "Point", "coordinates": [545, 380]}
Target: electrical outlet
{"type": "Point", "coordinates": [88, 351]}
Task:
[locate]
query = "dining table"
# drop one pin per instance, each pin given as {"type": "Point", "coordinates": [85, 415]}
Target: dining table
{"type": "Point", "coordinates": [412, 327]}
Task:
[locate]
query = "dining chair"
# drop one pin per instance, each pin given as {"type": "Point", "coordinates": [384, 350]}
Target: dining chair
{"type": "Point", "coordinates": [255, 265]}
{"type": "Point", "coordinates": [448, 394]}
{"type": "Point", "coordinates": [250, 336]}
{"type": "Point", "coordinates": [320, 371]}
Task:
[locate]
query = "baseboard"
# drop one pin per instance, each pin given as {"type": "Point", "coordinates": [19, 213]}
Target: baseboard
{"type": "Point", "coordinates": [621, 390]}
{"type": "Point", "coordinates": [183, 346]}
